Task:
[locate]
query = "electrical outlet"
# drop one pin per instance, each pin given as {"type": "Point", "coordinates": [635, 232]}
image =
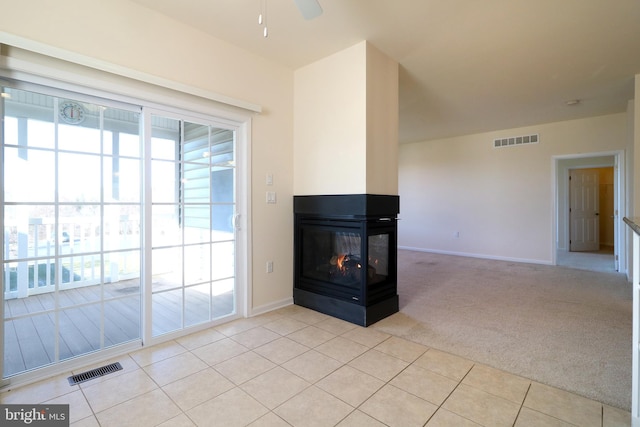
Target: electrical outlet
{"type": "Point", "coordinates": [456, 234]}
{"type": "Point", "coordinates": [269, 179]}
{"type": "Point", "coordinates": [269, 266]}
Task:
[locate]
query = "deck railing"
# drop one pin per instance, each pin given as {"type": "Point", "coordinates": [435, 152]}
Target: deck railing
{"type": "Point", "coordinates": [32, 244]}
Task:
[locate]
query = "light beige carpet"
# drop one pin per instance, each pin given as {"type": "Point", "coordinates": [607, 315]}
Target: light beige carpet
{"type": "Point", "coordinates": [565, 327]}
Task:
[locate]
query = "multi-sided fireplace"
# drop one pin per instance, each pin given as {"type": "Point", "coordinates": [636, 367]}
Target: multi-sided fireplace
{"type": "Point", "coordinates": [345, 254]}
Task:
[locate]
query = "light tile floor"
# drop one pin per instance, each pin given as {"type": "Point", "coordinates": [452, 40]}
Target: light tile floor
{"type": "Point", "coordinates": [297, 367]}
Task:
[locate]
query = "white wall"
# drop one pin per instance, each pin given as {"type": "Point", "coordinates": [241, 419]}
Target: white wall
{"type": "Point", "coordinates": [635, 128]}
{"type": "Point", "coordinates": [125, 34]}
{"type": "Point", "coordinates": [499, 200]}
{"type": "Point", "coordinates": [632, 119]}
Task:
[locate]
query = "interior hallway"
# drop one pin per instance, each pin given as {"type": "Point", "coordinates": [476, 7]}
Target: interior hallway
{"type": "Point", "coordinates": [602, 260]}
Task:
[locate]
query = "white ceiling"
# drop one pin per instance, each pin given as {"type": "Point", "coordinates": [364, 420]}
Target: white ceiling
{"type": "Point", "coordinates": [466, 66]}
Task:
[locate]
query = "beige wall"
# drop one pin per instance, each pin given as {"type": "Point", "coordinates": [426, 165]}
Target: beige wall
{"type": "Point", "coordinates": [330, 131]}
{"type": "Point", "coordinates": [346, 124]}
{"type": "Point", "coordinates": [127, 35]}
{"type": "Point", "coordinates": [499, 200]}
{"type": "Point", "coordinates": [382, 123]}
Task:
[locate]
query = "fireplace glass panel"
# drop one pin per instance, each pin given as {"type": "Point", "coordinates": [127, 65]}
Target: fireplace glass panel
{"type": "Point", "coordinates": [332, 256]}
{"type": "Point", "coordinates": [336, 257]}
{"type": "Point", "coordinates": [378, 266]}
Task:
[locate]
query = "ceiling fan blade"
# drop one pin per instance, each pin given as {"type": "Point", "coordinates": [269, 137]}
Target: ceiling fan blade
{"type": "Point", "coordinates": [309, 8]}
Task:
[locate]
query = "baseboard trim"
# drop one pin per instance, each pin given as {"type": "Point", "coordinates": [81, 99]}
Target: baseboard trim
{"type": "Point", "coordinates": [66, 367]}
{"type": "Point", "coordinates": [472, 255]}
{"type": "Point", "coordinates": [262, 309]}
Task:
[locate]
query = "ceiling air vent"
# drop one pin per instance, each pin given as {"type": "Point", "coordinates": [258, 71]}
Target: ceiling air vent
{"type": "Point", "coordinates": [516, 140]}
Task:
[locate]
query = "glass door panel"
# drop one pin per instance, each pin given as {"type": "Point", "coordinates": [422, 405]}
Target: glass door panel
{"type": "Point", "coordinates": [72, 236]}
{"type": "Point", "coordinates": [193, 237]}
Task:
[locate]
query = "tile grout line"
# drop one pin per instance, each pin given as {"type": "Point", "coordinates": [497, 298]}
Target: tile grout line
{"type": "Point", "coordinates": [522, 405]}
{"type": "Point", "coordinates": [453, 391]}
{"type": "Point", "coordinates": [544, 413]}
{"type": "Point", "coordinates": [93, 412]}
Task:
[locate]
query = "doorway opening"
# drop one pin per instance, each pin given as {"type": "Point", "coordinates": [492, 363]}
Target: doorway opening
{"type": "Point", "coordinates": [588, 201]}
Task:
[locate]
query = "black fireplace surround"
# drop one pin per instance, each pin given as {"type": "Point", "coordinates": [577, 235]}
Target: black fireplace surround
{"type": "Point", "coordinates": [345, 255]}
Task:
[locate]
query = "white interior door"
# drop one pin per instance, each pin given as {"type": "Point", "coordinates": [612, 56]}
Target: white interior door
{"type": "Point", "coordinates": [584, 210]}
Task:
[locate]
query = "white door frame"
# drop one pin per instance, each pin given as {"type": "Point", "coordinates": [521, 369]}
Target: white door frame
{"type": "Point", "coordinates": [241, 125]}
{"type": "Point", "coordinates": [635, 339]}
{"type": "Point", "coordinates": [560, 188]}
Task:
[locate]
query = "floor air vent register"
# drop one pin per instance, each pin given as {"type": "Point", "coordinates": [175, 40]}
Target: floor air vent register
{"type": "Point", "coordinates": [94, 373]}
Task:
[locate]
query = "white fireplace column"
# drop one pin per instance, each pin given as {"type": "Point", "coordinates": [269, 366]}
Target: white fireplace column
{"type": "Point", "coordinates": [346, 124]}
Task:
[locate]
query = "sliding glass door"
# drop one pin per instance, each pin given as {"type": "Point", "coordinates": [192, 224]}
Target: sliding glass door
{"type": "Point", "coordinates": [119, 225]}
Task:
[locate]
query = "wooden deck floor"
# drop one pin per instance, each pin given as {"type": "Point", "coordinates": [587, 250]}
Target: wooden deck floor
{"type": "Point", "coordinates": [29, 341]}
